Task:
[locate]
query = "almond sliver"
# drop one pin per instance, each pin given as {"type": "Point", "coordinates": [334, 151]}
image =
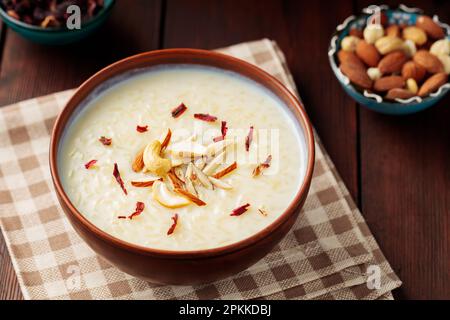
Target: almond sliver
{"type": "Point", "coordinates": [220, 184]}
{"type": "Point", "coordinates": [214, 164]}
{"type": "Point", "coordinates": [225, 171]}
{"type": "Point", "coordinates": [190, 197]}
{"type": "Point", "coordinates": [202, 177]}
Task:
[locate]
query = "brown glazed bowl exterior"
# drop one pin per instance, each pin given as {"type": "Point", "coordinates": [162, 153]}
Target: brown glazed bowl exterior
{"type": "Point", "coordinates": [178, 267]}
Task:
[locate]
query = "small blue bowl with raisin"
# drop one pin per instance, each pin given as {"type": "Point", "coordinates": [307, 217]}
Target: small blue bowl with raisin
{"type": "Point", "coordinates": [55, 22]}
{"type": "Point", "coordinates": [407, 84]}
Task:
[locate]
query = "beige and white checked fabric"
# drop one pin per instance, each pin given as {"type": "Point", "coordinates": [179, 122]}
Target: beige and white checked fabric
{"type": "Point", "coordinates": [324, 256]}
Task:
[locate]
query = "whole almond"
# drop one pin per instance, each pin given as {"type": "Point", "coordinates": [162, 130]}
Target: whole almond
{"type": "Point", "coordinates": [398, 93]}
{"type": "Point", "coordinates": [388, 83]}
{"type": "Point", "coordinates": [138, 162]}
{"type": "Point", "coordinates": [432, 84]}
{"type": "Point", "coordinates": [392, 62]}
{"type": "Point", "coordinates": [413, 70]}
{"type": "Point", "coordinates": [393, 31]}
{"type": "Point", "coordinates": [428, 61]}
{"type": "Point", "coordinates": [367, 53]}
{"type": "Point", "coordinates": [430, 27]}
{"type": "Point", "coordinates": [350, 57]}
{"type": "Point", "coordinates": [356, 74]}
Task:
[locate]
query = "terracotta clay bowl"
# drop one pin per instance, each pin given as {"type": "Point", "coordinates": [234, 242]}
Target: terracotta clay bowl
{"type": "Point", "coordinates": [182, 267]}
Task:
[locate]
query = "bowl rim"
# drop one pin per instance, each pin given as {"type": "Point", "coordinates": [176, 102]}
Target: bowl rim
{"type": "Point", "coordinates": [108, 7]}
{"type": "Point", "coordinates": [121, 66]}
{"type": "Point", "coordinates": [345, 25]}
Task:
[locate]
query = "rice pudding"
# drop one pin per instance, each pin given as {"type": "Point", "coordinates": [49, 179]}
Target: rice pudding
{"type": "Point", "coordinates": [182, 157]}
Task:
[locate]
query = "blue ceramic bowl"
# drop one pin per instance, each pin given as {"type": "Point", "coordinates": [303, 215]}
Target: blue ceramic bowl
{"type": "Point", "coordinates": [402, 15]}
{"type": "Point", "coordinates": [57, 36]}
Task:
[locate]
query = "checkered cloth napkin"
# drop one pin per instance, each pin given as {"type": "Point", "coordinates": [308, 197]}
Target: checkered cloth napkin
{"type": "Point", "coordinates": [326, 255]}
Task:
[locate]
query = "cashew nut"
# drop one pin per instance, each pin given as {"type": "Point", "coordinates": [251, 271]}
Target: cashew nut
{"type": "Point", "coordinates": [153, 161]}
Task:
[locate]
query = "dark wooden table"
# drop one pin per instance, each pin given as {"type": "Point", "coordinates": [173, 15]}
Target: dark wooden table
{"type": "Point", "coordinates": [396, 168]}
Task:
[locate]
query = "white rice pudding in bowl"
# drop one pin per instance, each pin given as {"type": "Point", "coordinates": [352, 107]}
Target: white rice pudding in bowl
{"type": "Point", "coordinates": [182, 158]}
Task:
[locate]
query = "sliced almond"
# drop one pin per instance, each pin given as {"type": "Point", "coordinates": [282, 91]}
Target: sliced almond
{"type": "Point", "coordinates": [202, 178]}
{"type": "Point", "coordinates": [176, 182]}
{"type": "Point", "coordinates": [189, 196]}
{"type": "Point", "coordinates": [200, 163]}
{"type": "Point", "coordinates": [190, 187]}
{"type": "Point", "coordinates": [217, 147]}
{"type": "Point", "coordinates": [138, 162]}
{"type": "Point", "coordinates": [220, 184]}
{"type": "Point", "coordinates": [214, 164]}
{"type": "Point", "coordinates": [263, 211]}
{"type": "Point", "coordinates": [225, 171]}
{"type": "Point", "coordinates": [166, 140]}
{"type": "Point", "coordinates": [144, 184]}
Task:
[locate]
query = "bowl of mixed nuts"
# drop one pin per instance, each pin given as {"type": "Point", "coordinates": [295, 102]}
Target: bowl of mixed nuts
{"type": "Point", "coordinates": [393, 61]}
{"type": "Point", "coordinates": [55, 22]}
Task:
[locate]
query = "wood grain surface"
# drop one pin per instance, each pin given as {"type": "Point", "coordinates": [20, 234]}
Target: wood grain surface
{"type": "Point", "coordinates": [396, 168]}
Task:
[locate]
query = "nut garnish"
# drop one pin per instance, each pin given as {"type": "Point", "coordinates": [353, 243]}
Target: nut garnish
{"type": "Point", "coordinates": [190, 187]}
{"type": "Point", "coordinates": [266, 164]}
{"type": "Point", "coordinates": [263, 211]}
{"type": "Point", "coordinates": [138, 162]}
{"type": "Point", "coordinates": [144, 184]}
{"type": "Point", "coordinates": [153, 162]}
{"type": "Point", "coordinates": [214, 164]}
{"type": "Point", "coordinates": [188, 149]}
{"type": "Point", "coordinates": [225, 171]}
{"type": "Point", "coordinates": [177, 183]}
{"type": "Point", "coordinates": [220, 184]}
{"type": "Point", "coordinates": [189, 196]}
{"type": "Point", "coordinates": [166, 140]}
{"type": "Point", "coordinates": [201, 177]}
{"type": "Point", "coordinates": [162, 194]}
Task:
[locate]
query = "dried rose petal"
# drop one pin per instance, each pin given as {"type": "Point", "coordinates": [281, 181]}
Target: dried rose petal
{"type": "Point", "coordinates": [116, 175]}
{"type": "Point", "coordinates": [141, 129]}
{"type": "Point", "coordinates": [89, 164]}
{"type": "Point", "coordinates": [205, 117]}
{"type": "Point", "coordinates": [105, 141]}
{"type": "Point", "coordinates": [249, 139]}
{"type": "Point", "coordinates": [240, 210]}
{"type": "Point", "coordinates": [178, 111]}
{"type": "Point", "coordinates": [223, 130]}
{"type": "Point", "coordinates": [266, 164]}
{"type": "Point", "coordinates": [174, 224]}
{"type": "Point", "coordinates": [140, 206]}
